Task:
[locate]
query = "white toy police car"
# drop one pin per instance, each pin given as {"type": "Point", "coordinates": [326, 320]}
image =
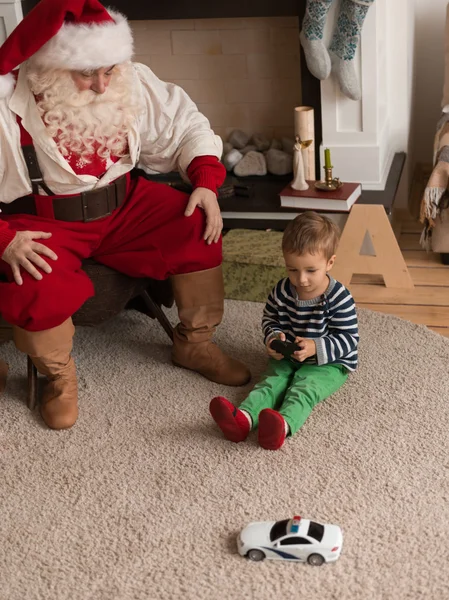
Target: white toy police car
{"type": "Point", "coordinates": [294, 539]}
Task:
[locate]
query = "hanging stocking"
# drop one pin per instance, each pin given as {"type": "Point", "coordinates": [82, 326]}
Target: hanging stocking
{"type": "Point", "coordinates": [344, 45]}
{"type": "Point", "coordinates": [311, 36]}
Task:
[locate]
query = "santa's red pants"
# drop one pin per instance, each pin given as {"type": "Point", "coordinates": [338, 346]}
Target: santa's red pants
{"type": "Point", "coordinates": [148, 236]}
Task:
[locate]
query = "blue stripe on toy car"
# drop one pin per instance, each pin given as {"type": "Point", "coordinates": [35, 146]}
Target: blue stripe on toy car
{"type": "Point", "coordinates": [282, 554]}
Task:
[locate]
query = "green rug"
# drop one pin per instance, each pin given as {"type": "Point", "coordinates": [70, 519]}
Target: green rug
{"type": "Point", "coordinates": [252, 263]}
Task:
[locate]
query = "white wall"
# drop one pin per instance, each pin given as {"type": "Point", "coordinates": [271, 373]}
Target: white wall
{"type": "Point", "coordinates": [400, 36]}
{"type": "Point", "coordinates": [430, 17]}
{"type": "Point", "coordinates": [400, 39]}
{"type": "Point", "coordinates": [415, 38]}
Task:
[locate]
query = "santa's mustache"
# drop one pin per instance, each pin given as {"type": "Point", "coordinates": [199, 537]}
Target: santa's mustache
{"type": "Point", "coordinates": [85, 98]}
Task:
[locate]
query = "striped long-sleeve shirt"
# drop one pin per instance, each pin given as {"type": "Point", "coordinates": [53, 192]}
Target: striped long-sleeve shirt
{"type": "Point", "coordinates": [330, 319]}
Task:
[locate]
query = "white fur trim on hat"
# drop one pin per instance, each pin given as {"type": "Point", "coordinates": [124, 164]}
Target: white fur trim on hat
{"type": "Point", "coordinates": [7, 84]}
{"type": "Point", "coordinates": [81, 46]}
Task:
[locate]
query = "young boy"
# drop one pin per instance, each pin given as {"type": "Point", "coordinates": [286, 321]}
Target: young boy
{"type": "Point", "coordinates": [313, 310]}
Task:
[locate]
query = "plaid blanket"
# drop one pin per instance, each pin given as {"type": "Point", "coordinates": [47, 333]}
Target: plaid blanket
{"type": "Point", "coordinates": [436, 194]}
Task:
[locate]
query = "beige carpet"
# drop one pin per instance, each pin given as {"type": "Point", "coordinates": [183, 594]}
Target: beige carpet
{"type": "Point", "coordinates": [143, 498]}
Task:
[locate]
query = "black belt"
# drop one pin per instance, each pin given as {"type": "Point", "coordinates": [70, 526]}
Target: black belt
{"type": "Point", "coordinates": [87, 206]}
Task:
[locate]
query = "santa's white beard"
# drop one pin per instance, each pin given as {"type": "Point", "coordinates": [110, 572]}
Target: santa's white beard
{"type": "Point", "coordinates": [85, 123]}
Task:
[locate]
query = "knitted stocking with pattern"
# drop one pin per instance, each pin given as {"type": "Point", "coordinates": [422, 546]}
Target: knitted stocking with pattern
{"type": "Point", "coordinates": [344, 45]}
{"type": "Point", "coordinates": [346, 38]}
{"type": "Point", "coordinates": [311, 36]}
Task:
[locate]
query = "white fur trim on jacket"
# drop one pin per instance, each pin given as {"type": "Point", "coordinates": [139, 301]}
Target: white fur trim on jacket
{"type": "Point", "coordinates": [80, 47]}
{"type": "Point", "coordinates": [7, 83]}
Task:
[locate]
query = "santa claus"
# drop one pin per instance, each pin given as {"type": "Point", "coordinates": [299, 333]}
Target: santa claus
{"type": "Point", "coordinates": [75, 119]}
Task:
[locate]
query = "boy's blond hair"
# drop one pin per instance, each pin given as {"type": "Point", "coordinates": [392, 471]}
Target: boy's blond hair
{"type": "Point", "coordinates": [311, 233]}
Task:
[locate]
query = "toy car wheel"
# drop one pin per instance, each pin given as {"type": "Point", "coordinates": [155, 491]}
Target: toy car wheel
{"type": "Point", "coordinates": [316, 560]}
{"type": "Point", "coordinates": [256, 555]}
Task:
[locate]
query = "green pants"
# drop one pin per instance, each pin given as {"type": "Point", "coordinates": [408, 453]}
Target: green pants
{"type": "Point", "coordinates": [293, 390]}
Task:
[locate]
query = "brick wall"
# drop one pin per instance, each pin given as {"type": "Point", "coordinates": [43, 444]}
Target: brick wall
{"type": "Point", "coordinates": [242, 73]}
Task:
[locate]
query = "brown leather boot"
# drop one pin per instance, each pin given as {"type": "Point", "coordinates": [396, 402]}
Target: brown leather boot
{"type": "Point", "coordinates": [3, 374]}
{"type": "Point", "coordinates": [200, 300]}
{"type": "Point", "coordinates": [50, 352]}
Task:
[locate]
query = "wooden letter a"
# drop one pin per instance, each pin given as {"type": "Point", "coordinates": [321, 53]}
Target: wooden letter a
{"type": "Point", "coordinates": [388, 261]}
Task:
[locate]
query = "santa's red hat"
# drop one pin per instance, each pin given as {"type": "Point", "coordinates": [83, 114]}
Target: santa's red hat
{"type": "Point", "coordinates": [66, 34]}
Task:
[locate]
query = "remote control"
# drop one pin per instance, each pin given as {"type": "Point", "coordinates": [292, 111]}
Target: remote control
{"type": "Point", "coordinates": [284, 348]}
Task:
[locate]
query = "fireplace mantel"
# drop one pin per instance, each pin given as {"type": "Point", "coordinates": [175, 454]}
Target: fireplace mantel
{"type": "Point", "coordinates": [197, 9]}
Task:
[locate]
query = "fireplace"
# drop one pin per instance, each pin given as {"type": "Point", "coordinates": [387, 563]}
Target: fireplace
{"type": "Point", "coordinates": [256, 97]}
{"type": "Point", "coordinates": [364, 136]}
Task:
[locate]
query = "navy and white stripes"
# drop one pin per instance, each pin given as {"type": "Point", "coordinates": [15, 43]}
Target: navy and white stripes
{"type": "Point", "coordinates": [330, 319]}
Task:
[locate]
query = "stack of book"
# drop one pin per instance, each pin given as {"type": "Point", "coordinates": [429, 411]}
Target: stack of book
{"type": "Point", "coordinates": [339, 200]}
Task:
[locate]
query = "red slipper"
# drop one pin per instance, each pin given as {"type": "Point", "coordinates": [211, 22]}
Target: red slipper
{"type": "Point", "coordinates": [271, 429]}
{"type": "Point", "coordinates": [231, 420]}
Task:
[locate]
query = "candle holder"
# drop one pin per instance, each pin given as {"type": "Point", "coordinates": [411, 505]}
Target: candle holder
{"type": "Point", "coordinates": [330, 184]}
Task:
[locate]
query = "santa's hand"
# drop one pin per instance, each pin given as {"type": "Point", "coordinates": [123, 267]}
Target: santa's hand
{"type": "Point", "coordinates": [207, 200]}
{"type": "Point", "coordinates": [24, 252]}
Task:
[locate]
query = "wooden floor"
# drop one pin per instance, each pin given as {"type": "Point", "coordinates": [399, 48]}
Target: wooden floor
{"type": "Point", "coordinates": [428, 303]}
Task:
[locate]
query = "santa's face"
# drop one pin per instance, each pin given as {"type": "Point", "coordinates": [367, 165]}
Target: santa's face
{"type": "Point", "coordinates": [96, 80]}
{"type": "Point", "coordinates": [87, 111]}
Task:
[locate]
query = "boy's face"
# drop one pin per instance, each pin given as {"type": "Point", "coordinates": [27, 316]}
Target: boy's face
{"type": "Point", "coordinates": [308, 273]}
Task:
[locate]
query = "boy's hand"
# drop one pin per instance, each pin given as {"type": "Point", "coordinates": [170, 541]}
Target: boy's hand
{"type": "Point", "coordinates": [272, 353]}
{"type": "Point", "coordinates": [307, 348]}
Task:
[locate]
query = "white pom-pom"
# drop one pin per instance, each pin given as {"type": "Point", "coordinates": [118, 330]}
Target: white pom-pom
{"type": "Point", "coordinates": [7, 83]}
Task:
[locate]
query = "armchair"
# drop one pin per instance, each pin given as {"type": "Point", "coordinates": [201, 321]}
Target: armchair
{"type": "Point", "coordinates": [435, 203]}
